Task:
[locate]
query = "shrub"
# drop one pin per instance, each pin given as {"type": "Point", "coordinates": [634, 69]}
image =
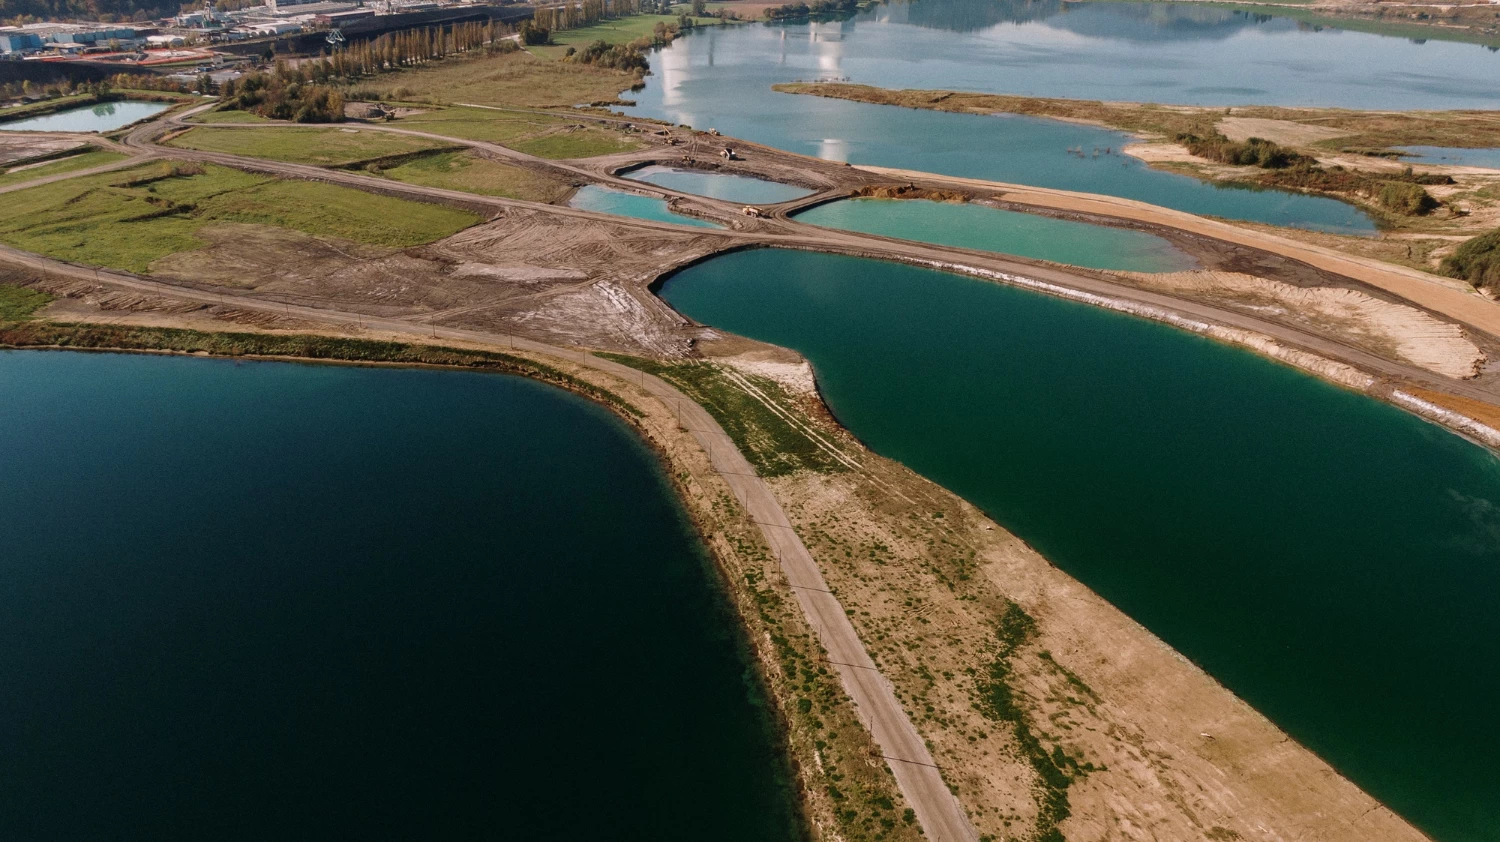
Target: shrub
{"type": "Point", "coordinates": [1254, 152]}
{"type": "Point", "coordinates": [1405, 198]}
{"type": "Point", "coordinates": [1476, 261]}
{"type": "Point", "coordinates": [603, 54]}
{"type": "Point", "coordinates": [534, 36]}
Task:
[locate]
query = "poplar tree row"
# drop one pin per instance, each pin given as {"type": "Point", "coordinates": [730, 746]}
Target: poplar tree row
{"type": "Point", "coordinates": [573, 15]}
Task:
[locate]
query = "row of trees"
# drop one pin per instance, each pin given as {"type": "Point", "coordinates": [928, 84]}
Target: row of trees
{"type": "Point", "coordinates": [573, 15]}
{"type": "Point", "coordinates": [398, 50]}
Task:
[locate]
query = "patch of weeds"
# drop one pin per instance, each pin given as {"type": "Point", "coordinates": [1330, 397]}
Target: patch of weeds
{"type": "Point", "coordinates": [772, 443]}
{"type": "Point", "coordinates": [17, 304]}
{"type": "Point", "coordinates": [999, 700]}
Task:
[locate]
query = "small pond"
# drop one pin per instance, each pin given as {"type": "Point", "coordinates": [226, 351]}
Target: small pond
{"type": "Point", "coordinates": [100, 117]}
{"type": "Point", "coordinates": [604, 200]}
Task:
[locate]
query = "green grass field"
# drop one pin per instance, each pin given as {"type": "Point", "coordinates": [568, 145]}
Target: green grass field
{"type": "Point", "coordinates": [72, 163]}
{"type": "Point", "coordinates": [543, 135]}
{"type": "Point", "coordinates": [516, 79]}
{"type": "Point", "coordinates": [17, 304]}
{"type": "Point", "coordinates": [468, 172]}
{"type": "Point", "coordinates": [621, 31]}
{"type": "Point", "coordinates": [304, 145]}
{"type": "Point", "coordinates": [130, 218]}
{"type": "Point", "coordinates": [235, 116]}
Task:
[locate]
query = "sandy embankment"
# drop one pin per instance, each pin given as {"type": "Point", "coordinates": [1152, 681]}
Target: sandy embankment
{"type": "Point", "coordinates": [1381, 326]}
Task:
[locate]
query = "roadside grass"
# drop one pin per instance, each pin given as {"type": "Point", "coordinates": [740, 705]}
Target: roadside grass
{"type": "Point", "coordinates": [543, 135]}
{"type": "Point", "coordinates": [130, 218]}
{"type": "Point", "coordinates": [234, 116]}
{"type": "Point", "coordinates": [586, 142]}
{"type": "Point", "coordinates": [469, 172]}
{"type": "Point", "coordinates": [72, 163]}
{"type": "Point", "coordinates": [17, 304]}
{"type": "Point", "coordinates": [516, 79]}
{"type": "Point", "coordinates": [298, 145]}
{"type": "Point", "coordinates": [772, 444]}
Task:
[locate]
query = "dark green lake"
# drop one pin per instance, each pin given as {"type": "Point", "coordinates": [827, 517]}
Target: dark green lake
{"type": "Point", "coordinates": [270, 601]}
{"type": "Point", "coordinates": [1331, 559]}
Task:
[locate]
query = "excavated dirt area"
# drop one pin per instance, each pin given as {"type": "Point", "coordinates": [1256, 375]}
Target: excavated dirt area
{"type": "Point", "coordinates": [551, 277]}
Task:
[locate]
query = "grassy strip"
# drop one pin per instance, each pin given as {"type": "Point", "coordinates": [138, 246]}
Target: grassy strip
{"type": "Point", "coordinates": [133, 217]}
{"type": "Point", "coordinates": [19, 304]}
{"type": "Point", "coordinates": [999, 701]}
{"type": "Point", "coordinates": [303, 346]}
{"type": "Point", "coordinates": [772, 444]}
{"type": "Point", "coordinates": [516, 79]}
{"type": "Point", "coordinates": [70, 163]}
{"type": "Point", "coordinates": [543, 135]}
{"type": "Point", "coordinates": [471, 173]}
{"type": "Point", "coordinates": [300, 145]}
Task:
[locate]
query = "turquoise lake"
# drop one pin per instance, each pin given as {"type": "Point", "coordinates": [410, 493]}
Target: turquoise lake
{"type": "Point", "coordinates": [103, 117]}
{"type": "Point", "coordinates": [726, 186]}
{"type": "Point", "coordinates": [1332, 560]}
{"type": "Point", "coordinates": [1175, 53]}
{"type": "Point", "coordinates": [270, 601]}
{"type": "Point", "coordinates": [620, 203]}
{"type": "Point", "coordinates": [1008, 232]}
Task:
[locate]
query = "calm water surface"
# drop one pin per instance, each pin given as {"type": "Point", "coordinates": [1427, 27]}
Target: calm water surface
{"type": "Point", "coordinates": [991, 229]}
{"type": "Point", "coordinates": [1334, 561]}
{"type": "Point", "coordinates": [103, 117]}
{"type": "Point", "coordinates": [1452, 156]}
{"type": "Point", "coordinates": [620, 203]}
{"type": "Point", "coordinates": [1120, 51]}
{"type": "Point", "coordinates": [266, 601]}
{"type": "Point", "coordinates": [725, 186]}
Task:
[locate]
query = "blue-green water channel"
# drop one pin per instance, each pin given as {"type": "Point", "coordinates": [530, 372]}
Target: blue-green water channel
{"type": "Point", "coordinates": [1332, 560]}
{"type": "Point", "coordinates": [620, 203]}
{"type": "Point", "coordinates": [726, 186]}
{"type": "Point", "coordinates": [267, 601]}
{"type": "Point", "coordinates": [1178, 53]}
{"type": "Point", "coordinates": [1452, 156]}
{"type": "Point", "coordinates": [103, 117]}
{"type": "Point", "coordinates": [1009, 232]}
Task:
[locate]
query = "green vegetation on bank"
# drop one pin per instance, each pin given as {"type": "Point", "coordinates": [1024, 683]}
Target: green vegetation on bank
{"type": "Point", "coordinates": [1001, 700]}
{"type": "Point", "coordinates": [471, 173]}
{"type": "Point", "coordinates": [329, 147]}
{"type": "Point", "coordinates": [304, 346]}
{"type": "Point", "coordinates": [1476, 261]}
{"type": "Point", "coordinates": [17, 304]}
{"type": "Point", "coordinates": [129, 218]}
{"type": "Point", "coordinates": [71, 163]}
{"type": "Point", "coordinates": [772, 443]}
{"type": "Point", "coordinates": [1254, 152]}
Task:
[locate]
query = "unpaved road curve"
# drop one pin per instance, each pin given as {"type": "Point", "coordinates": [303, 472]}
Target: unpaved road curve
{"type": "Point", "coordinates": [938, 810]}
